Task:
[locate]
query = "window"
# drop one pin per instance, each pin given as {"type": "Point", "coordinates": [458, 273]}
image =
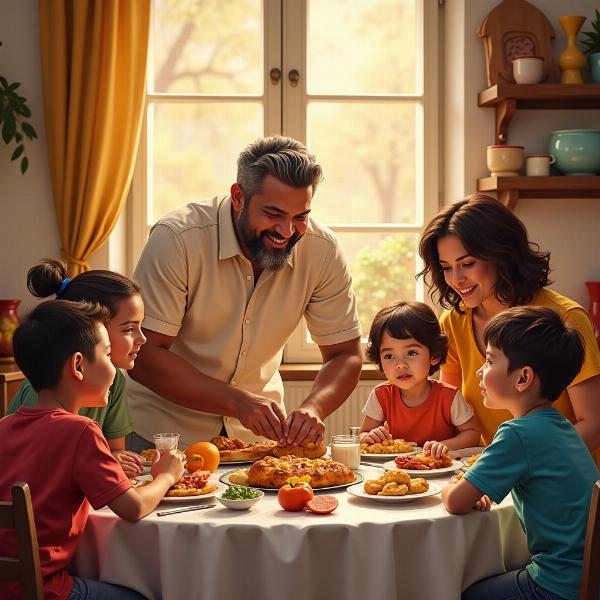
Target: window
{"type": "Point", "coordinates": [356, 80]}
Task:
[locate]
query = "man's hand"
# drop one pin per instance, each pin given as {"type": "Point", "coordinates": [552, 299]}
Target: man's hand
{"type": "Point", "coordinates": [130, 462]}
{"type": "Point", "coordinates": [262, 416]}
{"type": "Point", "coordinates": [304, 426]}
{"type": "Point", "coordinates": [377, 435]}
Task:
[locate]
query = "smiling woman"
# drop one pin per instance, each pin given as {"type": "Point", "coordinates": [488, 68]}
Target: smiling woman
{"type": "Point", "coordinates": [478, 262]}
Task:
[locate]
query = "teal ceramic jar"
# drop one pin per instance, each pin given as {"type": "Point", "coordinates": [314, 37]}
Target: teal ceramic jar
{"type": "Point", "coordinates": [577, 151]}
{"type": "Point", "coordinates": [594, 62]}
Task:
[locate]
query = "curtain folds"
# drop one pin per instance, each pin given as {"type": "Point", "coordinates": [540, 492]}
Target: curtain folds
{"type": "Point", "coordinates": [94, 55]}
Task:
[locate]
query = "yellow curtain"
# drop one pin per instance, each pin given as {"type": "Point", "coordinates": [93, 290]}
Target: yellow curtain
{"type": "Point", "coordinates": [94, 70]}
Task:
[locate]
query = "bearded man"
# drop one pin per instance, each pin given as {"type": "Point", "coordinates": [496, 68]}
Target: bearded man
{"type": "Point", "coordinates": [225, 283]}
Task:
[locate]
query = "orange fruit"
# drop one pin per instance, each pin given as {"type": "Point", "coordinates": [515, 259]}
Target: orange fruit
{"type": "Point", "coordinates": [202, 456]}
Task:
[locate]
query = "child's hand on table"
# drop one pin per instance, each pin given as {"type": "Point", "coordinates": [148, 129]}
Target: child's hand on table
{"type": "Point", "coordinates": [434, 448]}
{"type": "Point", "coordinates": [377, 435]}
{"type": "Point", "coordinates": [130, 462]}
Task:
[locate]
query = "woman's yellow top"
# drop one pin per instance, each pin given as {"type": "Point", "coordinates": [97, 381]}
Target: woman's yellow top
{"type": "Point", "coordinates": [464, 358]}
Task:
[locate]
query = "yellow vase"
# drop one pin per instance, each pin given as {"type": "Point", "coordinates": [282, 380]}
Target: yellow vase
{"type": "Point", "coordinates": [572, 60]}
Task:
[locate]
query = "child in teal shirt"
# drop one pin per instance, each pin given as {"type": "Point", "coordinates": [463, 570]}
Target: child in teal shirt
{"type": "Point", "coordinates": [538, 456]}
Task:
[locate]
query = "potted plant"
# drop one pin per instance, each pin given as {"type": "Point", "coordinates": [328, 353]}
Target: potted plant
{"type": "Point", "coordinates": [13, 126]}
{"type": "Point", "coordinates": [592, 48]}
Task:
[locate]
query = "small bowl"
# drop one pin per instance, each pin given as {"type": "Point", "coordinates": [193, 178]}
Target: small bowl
{"type": "Point", "coordinates": [240, 504]}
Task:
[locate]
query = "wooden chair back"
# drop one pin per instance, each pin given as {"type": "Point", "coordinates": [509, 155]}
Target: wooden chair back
{"type": "Point", "coordinates": [25, 568]}
{"type": "Point", "coordinates": [590, 574]}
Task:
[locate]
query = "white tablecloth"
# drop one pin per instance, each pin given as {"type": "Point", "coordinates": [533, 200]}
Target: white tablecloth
{"type": "Point", "coordinates": [365, 549]}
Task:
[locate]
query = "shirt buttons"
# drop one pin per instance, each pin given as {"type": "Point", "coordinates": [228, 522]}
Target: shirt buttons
{"type": "Point", "coordinates": [247, 321]}
{"type": "Point", "coordinates": [244, 353]}
{"type": "Point", "coordinates": [233, 382]}
{"type": "Point", "coordinates": [248, 277]}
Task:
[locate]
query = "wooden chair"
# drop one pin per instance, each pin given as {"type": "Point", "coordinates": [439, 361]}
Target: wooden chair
{"type": "Point", "coordinates": [18, 515]}
{"type": "Point", "coordinates": [590, 574]}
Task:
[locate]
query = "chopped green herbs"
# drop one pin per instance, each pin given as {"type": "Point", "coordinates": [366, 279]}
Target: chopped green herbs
{"type": "Point", "coordinates": [239, 492]}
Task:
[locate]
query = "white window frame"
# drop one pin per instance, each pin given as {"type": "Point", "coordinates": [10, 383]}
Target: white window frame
{"type": "Point", "coordinates": [290, 25]}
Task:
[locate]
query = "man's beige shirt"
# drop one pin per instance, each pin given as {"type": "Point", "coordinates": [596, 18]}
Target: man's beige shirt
{"type": "Point", "coordinates": [198, 287]}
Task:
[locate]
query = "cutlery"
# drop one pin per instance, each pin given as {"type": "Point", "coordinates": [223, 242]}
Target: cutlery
{"type": "Point", "coordinates": [185, 509]}
{"type": "Point", "coordinates": [372, 464]}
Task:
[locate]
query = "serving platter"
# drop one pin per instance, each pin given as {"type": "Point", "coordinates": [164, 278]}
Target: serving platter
{"type": "Point", "coordinates": [359, 492]}
{"type": "Point", "coordinates": [455, 466]}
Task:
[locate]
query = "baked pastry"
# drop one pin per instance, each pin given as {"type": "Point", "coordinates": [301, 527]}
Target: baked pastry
{"type": "Point", "coordinates": [308, 451]}
{"type": "Point", "coordinates": [273, 472]}
{"type": "Point", "coordinates": [423, 462]}
{"type": "Point", "coordinates": [395, 446]}
{"type": "Point", "coordinates": [396, 483]}
{"type": "Point", "coordinates": [250, 452]}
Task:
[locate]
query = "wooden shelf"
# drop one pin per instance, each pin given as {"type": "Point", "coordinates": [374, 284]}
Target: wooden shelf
{"type": "Point", "coordinates": [510, 189]}
{"type": "Point", "coordinates": [506, 98]}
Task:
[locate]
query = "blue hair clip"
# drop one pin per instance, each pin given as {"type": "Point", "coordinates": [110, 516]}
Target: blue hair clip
{"type": "Point", "coordinates": [65, 282]}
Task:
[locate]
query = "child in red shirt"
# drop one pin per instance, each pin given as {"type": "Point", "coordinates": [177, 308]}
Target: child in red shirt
{"type": "Point", "coordinates": [64, 350]}
{"type": "Point", "coordinates": [407, 345]}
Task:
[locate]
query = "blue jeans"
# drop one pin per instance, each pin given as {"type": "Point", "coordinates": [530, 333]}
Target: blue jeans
{"type": "Point", "coordinates": [514, 585]}
{"type": "Point", "coordinates": [87, 589]}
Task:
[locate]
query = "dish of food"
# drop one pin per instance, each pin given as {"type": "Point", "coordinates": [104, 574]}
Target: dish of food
{"type": "Point", "coordinates": [391, 446]}
{"type": "Point", "coordinates": [359, 491]}
{"type": "Point", "coordinates": [225, 478]}
{"type": "Point", "coordinates": [234, 451]}
{"type": "Point", "coordinates": [454, 466]}
{"type": "Point", "coordinates": [380, 456]}
{"type": "Point", "coordinates": [196, 486]}
{"type": "Point", "coordinates": [237, 497]}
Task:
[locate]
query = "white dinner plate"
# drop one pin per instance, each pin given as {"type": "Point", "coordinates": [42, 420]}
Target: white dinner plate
{"type": "Point", "coordinates": [357, 479]}
{"type": "Point", "coordinates": [359, 492]}
{"type": "Point", "coordinates": [181, 499]}
{"type": "Point", "coordinates": [455, 466]}
{"type": "Point", "coordinates": [376, 456]}
{"type": "Point", "coordinates": [224, 463]}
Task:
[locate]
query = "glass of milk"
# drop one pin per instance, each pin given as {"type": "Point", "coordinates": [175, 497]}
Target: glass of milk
{"type": "Point", "coordinates": [345, 449]}
{"type": "Point", "coordinates": [165, 442]}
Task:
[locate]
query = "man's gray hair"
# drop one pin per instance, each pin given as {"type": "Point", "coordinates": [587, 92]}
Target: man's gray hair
{"type": "Point", "coordinates": [282, 157]}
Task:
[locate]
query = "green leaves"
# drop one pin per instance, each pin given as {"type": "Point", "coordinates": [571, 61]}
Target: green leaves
{"type": "Point", "coordinates": [13, 111]}
{"type": "Point", "coordinates": [592, 43]}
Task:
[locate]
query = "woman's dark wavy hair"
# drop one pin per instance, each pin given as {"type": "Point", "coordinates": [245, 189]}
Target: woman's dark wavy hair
{"type": "Point", "coordinates": [104, 287]}
{"type": "Point", "coordinates": [405, 320]}
{"type": "Point", "coordinates": [488, 231]}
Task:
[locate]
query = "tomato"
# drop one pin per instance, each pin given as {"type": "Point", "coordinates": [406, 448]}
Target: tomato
{"type": "Point", "coordinates": [322, 505]}
{"type": "Point", "coordinates": [202, 455]}
{"type": "Point", "coordinates": [294, 496]}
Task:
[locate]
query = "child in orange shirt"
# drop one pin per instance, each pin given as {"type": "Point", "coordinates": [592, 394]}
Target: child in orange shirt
{"type": "Point", "coordinates": [407, 345]}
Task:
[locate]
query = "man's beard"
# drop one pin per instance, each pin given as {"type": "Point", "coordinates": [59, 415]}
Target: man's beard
{"type": "Point", "coordinates": [272, 259]}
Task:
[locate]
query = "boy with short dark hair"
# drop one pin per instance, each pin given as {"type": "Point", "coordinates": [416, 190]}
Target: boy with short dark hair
{"type": "Point", "coordinates": [531, 357]}
{"type": "Point", "coordinates": [64, 351]}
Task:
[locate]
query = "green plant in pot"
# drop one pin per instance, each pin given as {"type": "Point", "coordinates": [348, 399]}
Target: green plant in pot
{"type": "Point", "coordinates": [14, 127]}
{"type": "Point", "coordinates": [592, 48]}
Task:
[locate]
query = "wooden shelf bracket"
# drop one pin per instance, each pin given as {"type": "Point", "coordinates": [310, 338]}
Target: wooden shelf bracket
{"type": "Point", "coordinates": [505, 111]}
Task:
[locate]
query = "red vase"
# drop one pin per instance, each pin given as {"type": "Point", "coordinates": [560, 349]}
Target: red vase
{"type": "Point", "coordinates": [8, 323]}
{"type": "Point", "coordinates": [593, 288]}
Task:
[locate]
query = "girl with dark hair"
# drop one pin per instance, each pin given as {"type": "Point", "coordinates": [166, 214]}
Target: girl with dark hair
{"type": "Point", "coordinates": [478, 262]}
{"type": "Point", "coordinates": [122, 298]}
{"type": "Point", "coordinates": [407, 345]}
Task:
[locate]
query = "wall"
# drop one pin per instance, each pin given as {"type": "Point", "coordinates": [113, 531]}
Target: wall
{"type": "Point", "coordinates": [567, 228]}
{"type": "Point", "coordinates": [28, 229]}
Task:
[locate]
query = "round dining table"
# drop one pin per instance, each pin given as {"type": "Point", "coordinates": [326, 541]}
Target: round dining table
{"type": "Point", "coordinates": [364, 549]}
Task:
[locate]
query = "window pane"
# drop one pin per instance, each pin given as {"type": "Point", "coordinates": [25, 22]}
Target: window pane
{"type": "Point", "coordinates": [368, 152]}
{"type": "Point", "coordinates": [208, 47]}
{"type": "Point", "coordinates": [383, 270]}
{"type": "Point", "coordinates": [360, 47]}
{"type": "Point", "coordinates": [195, 149]}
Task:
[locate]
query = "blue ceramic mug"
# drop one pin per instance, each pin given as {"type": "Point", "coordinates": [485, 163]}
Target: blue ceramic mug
{"type": "Point", "coordinates": [577, 151]}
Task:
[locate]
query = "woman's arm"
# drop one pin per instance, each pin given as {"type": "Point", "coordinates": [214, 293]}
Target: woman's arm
{"type": "Point", "coordinates": [584, 399]}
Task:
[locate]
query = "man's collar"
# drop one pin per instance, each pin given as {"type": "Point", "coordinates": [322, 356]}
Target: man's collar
{"type": "Point", "coordinates": [228, 242]}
